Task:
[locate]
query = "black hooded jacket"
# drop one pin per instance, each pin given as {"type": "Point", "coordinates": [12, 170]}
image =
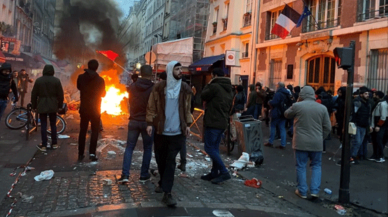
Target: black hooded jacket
{"type": "Point", "coordinates": [47, 93]}
{"type": "Point", "coordinates": [92, 88]}
{"type": "Point", "coordinates": [139, 93]}
{"type": "Point", "coordinates": [7, 83]}
{"type": "Point", "coordinates": [219, 99]}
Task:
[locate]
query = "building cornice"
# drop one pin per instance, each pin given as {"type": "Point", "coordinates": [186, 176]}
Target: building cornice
{"type": "Point", "coordinates": [226, 37]}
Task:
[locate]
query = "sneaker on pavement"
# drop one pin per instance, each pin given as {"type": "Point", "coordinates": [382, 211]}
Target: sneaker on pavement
{"type": "Point", "coordinates": [158, 189]}
{"type": "Point", "coordinates": [268, 144]}
{"type": "Point", "coordinates": [299, 195]}
{"type": "Point", "coordinates": [381, 160]}
{"type": "Point", "coordinates": [145, 178]}
{"type": "Point", "coordinates": [168, 200]}
{"type": "Point", "coordinates": [354, 161]}
{"type": "Point", "coordinates": [93, 157]}
{"type": "Point", "coordinates": [373, 159]}
{"type": "Point", "coordinates": [80, 157]}
{"type": "Point", "coordinates": [314, 195]}
{"type": "Point", "coordinates": [182, 167]}
{"type": "Point", "coordinates": [41, 148]}
{"type": "Point", "coordinates": [123, 179]}
{"type": "Point", "coordinates": [54, 146]}
{"type": "Point", "coordinates": [208, 177]}
{"type": "Point", "coordinates": [221, 178]}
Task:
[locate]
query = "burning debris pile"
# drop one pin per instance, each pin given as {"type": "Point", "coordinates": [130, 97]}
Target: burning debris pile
{"type": "Point", "coordinates": [84, 28]}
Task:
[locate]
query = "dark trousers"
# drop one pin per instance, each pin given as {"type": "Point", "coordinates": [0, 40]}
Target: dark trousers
{"type": "Point", "coordinates": [94, 119]}
{"type": "Point", "coordinates": [166, 150]}
{"type": "Point", "coordinates": [183, 153]}
{"type": "Point", "coordinates": [43, 128]}
{"type": "Point", "coordinates": [378, 145]}
{"type": "Point", "coordinates": [22, 96]}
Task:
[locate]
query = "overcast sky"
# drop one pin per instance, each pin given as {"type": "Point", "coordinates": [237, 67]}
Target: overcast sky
{"type": "Point", "coordinates": [124, 6]}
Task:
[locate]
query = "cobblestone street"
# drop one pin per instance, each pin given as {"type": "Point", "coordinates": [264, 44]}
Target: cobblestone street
{"type": "Point", "coordinates": [78, 188]}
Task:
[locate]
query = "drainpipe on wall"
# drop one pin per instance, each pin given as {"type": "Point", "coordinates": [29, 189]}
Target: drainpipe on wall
{"type": "Point", "coordinates": [254, 41]}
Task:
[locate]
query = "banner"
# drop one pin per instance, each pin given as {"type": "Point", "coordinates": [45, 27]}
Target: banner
{"type": "Point", "coordinates": [230, 58]}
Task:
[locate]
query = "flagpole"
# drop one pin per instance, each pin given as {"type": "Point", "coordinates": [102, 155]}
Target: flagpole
{"type": "Point", "coordinates": [316, 23]}
{"type": "Point", "coordinates": [116, 64]}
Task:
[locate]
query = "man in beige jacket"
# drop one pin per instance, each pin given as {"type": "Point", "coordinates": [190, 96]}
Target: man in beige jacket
{"type": "Point", "coordinates": [311, 126]}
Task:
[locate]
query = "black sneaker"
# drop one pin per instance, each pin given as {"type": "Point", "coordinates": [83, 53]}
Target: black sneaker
{"type": "Point", "coordinates": [93, 157]}
{"type": "Point", "coordinates": [182, 167]}
{"type": "Point", "coordinates": [221, 178]}
{"type": "Point", "coordinates": [208, 177]}
{"type": "Point", "coordinates": [123, 179]}
{"type": "Point", "coordinates": [168, 200]}
{"type": "Point", "coordinates": [145, 178]}
{"type": "Point", "coordinates": [158, 189]}
{"type": "Point", "coordinates": [80, 157]}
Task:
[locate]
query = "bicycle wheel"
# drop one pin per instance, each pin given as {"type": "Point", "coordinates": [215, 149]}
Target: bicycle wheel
{"type": "Point", "coordinates": [61, 125]}
{"type": "Point", "coordinates": [16, 119]}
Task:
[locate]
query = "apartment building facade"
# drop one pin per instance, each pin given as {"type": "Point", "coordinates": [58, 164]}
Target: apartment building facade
{"type": "Point", "coordinates": [230, 27]}
{"type": "Point", "coordinates": [306, 56]}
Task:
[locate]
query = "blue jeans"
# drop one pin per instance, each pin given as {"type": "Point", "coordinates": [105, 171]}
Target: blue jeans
{"type": "Point", "coordinates": [134, 130]}
{"type": "Point", "coordinates": [212, 148]}
{"type": "Point", "coordinates": [3, 106]}
{"type": "Point", "coordinates": [257, 112]}
{"type": "Point", "coordinates": [281, 123]}
{"type": "Point", "coordinates": [358, 140]}
{"type": "Point", "coordinates": [302, 158]}
{"type": "Point", "coordinates": [43, 128]}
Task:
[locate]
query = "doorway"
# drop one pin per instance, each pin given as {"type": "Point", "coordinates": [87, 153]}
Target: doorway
{"type": "Point", "coordinates": [321, 72]}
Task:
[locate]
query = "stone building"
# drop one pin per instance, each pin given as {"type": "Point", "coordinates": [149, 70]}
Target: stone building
{"type": "Point", "coordinates": [43, 22]}
{"type": "Point", "coordinates": [306, 56]}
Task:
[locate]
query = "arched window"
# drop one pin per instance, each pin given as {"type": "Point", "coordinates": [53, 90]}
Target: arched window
{"type": "Point", "coordinates": [321, 72]}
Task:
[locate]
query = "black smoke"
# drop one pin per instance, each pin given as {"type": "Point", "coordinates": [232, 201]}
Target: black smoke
{"type": "Point", "coordinates": [87, 26]}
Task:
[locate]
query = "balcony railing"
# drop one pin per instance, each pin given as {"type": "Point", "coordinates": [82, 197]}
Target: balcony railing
{"type": "Point", "coordinates": [247, 19]}
{"type": "Point", "coordinates": [312, 26]}
{"type": "Point", "coordinates": [245, 55]}
{"type": "Point", "coordinates": [214, 28]}
{"type": "Point", "coordinates": [373, 14]}
{"type": "Point", "coordinates": [225, 24]}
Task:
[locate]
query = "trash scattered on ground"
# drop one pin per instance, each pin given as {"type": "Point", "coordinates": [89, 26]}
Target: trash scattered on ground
{"type": "Point", "coordinates": [107, 182]}
{"type": "Point", "coordinates": [28, 168]}
{"type": "Point", "coordinates": [189, 155]}
{"type": "Point", "coordinates": [74, 168]}
{"type": "Point", "coordinates": [222, 213]}
{"type": "Point", "coordinates": [251, 164]}
{"type": "Point", "coordinates": [103, 143]}
{"type": "Point", "coordinates": [257, 157]}
{"type": "Point", "coordinates": [183, 175]}
{"type": "Point", "coordinates": [208, 159]}
{"type": "Point", "coordinates": [45, 175]}
{"type": "Point", "coordinates": [242, 161]}
{"type": "Point", "coordinates": [327, 191]}
{"type": "Point", "coordinates": [25, 198]}
{"type": "Point", "coordinates": [121, 142]}
{"type": "Point", "coordinates": [63, 136]}
{"type": "Point", "coordinates": [73, 144]}
{"type": "Point", "coordinates": [340, 209]}
{"type": "Point", "coordinates": [70, 117]}
{"type": "Point", "coordinates": [280, 197]}
{"type": "Point", "coordinates": [254, 183]}
{"type": "Point", "coordinates": [111, 155]}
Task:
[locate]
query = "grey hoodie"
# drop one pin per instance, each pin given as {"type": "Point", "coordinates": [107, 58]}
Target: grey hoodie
{"type": "Point", "coordinates": [311, 122]}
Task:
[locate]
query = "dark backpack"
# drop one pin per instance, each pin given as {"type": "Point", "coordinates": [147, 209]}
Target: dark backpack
{"type": "Point", "coordinates": [327, 101]}
{"type": "Point", "coordinates": [5, 86]}
{"type": "Point", "coordinates": [285, 104]}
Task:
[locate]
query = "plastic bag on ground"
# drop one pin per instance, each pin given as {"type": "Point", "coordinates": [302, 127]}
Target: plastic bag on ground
{"type": "Point", "coordinates": [45, 175]}
{"type": "Point", "coordinates": [241, 162]}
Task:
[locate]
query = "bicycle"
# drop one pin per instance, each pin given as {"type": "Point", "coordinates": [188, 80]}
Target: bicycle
{"type": "Point", "coordinates": [226, 137]}
{"type": "Point", "coordinates": [18, 118]}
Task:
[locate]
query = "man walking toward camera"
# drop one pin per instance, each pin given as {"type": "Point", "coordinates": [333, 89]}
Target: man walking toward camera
{"type": "Point", "coordinates": [47, 98]}
{"type": "Point", "coordinates": [218, 96]}
{"type": "Point", "coordinates": [168, 110]}
{"type": "Point", "coordinates": [139, 93]}
{"type": "Point", "coordinates": [311, 126]}
{"type": "Point", "coordinates": [6, 84]}
{"type": "Point", "coordinates": [92, 88]}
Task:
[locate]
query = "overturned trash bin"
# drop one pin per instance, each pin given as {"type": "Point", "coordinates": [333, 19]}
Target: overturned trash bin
{"type": "Point", "coordinates": [250, 138]}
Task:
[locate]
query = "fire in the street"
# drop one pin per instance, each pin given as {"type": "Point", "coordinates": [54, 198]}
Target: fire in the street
{"type": "Point", "coordinates": [112, 102]}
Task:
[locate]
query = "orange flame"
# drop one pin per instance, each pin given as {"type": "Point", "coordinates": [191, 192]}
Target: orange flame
{"type": "Point", "coordinates": [115, 94]}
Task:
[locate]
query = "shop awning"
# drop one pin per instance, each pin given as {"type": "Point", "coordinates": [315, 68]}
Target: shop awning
{"type": "Point", "coordinates": [2, 57]}
{"type": "Point", "coordinates": [204, 64]}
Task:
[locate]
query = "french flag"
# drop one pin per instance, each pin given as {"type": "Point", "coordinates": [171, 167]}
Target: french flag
{"type": "Point", "coordinates": [286, 21]}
